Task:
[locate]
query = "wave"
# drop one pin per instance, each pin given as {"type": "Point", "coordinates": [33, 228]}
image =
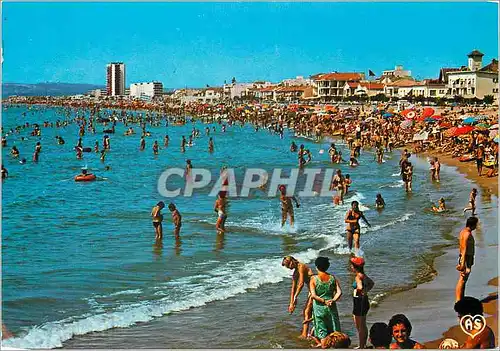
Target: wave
{"type": "Point", "coordinates": [403, 218]}
{"type": "Point", "coordinates": [221, 283]}
{"type": "Point", "coordinates": [398, 184]}
{"type": "Point", "coordinates": [232, 279]}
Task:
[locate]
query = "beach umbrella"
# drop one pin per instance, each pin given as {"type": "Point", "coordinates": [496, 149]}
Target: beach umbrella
{"type": "Point", "coordinates": [406, 124]}
{"type": "Point", "coordinates": [481, 117]}
{"type": "Point", "coordinates": [493, 133]}
{"type": "Point", "coordinates": [462, 130]}
{"type": "Point", "coordinates": [496, 139]}
{"type": "Point", "coordinates": [430, 120]}
{"type": "Point", "coordinates": [482, 126]}
{"type": "Point", "coordinates": [427, 112]}
{"type": "Point", "coordinates": [387, 115]}
{"type": "Point", "coordinates": [445, 125]}
{"type": "Point", "coordinates": [469, 120]}
{"type": "Point", "coordinates": [450, 132]}
{"type": "Point", "coordinates": [410, 114]}
{"type": "Point", "coordinates": [436, 117]}
{"type": "Point", "coordinates": [495, 126]}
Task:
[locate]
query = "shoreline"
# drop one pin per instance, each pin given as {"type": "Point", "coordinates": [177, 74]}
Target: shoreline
{"type": "Point", "coordinates": [443, 250]}
{"type": "Point", "coordinates": [436, 297]}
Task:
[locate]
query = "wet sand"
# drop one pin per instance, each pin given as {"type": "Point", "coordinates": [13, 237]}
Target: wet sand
{"type": "Point", "coordinates": [430, 305]}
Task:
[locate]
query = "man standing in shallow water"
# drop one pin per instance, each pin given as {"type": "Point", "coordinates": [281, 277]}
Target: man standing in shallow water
{"type": "Point", "coordinates": [466, 256]}
{"type": "Point", "coordinates": [157, 219]}
{"type": "Point", "coordinates": [301, 275]}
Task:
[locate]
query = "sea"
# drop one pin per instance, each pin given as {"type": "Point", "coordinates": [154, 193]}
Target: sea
{"type": "Point", "coordinates": [80, 268]}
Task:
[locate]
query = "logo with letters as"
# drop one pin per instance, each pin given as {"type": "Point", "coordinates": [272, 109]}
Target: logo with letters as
{"type": "Point", "coordinates": [472, 325]}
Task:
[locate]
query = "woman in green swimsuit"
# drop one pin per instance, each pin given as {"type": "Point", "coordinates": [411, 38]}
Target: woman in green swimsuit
{"type": "Point", "coordinates": [325, 291]}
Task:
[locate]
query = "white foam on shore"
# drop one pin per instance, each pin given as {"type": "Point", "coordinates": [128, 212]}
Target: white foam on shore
{"type": "Point", "coordinates": [398, 184]}
{"type": "Point", "coordinates": [401, 219]}
{"type": "Point", "coordinates": [221, 283]}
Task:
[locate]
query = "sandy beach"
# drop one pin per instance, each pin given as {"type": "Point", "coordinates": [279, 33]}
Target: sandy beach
{"type": "Point", "coordinates": [430, 305]}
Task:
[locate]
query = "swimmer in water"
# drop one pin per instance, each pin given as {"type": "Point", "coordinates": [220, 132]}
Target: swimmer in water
{"type": "Point", "coordinates": [103, 155]}
{"type": "Point", "coordinates": [176, 219]}
{"type": "Point", "coordinates": [220, 209]}
{"type": "Point", "coordinates": [157, 219]}
{"type": "Point", "coordinates": [23, 161]}
{"type": "Point", "coordinates": [441, 206]}
{"type": "Point", "coordinates": [472, 202]}
{"type": "Point", "coordinates": [5, 173]}
{"type": "Point", "coordinates": [211, 145]}
{"type": "Point", "coordinates": [142, 145]}
{"type": "Point", "coordinates": [189, 166]}
{"type": "Point", "coordinates": [166, 140]}
{"type": "Point", "coordinates": [155, 147]}
{"type": "Point", "coordinates": [14, 152]}
{"type": "Point", "coordinates": [353, 228]}
{"type": "Point", "coordinates": [286, 206]}
{"type": "Point", "coordinates": [347, 183]}
{"type": "Point", "coordinates": [183, 144]}
{"type": "Point", "coordinates": [293, 147]}
{"type": "Point", "coordinates": [379, 202]}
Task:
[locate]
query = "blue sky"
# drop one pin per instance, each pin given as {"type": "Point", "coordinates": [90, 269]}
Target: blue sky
{"type": "Point", "coordinates": [194, 44]}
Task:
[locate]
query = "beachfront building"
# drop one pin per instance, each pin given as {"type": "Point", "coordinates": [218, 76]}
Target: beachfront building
{"type": "Point", "coordinates": [243, 90]}
{"type": "Point", "coordinates": [363, 88]}
{"type": "Point", "coordinates": [474, 81]}
{"type": "Point", "coordinates": [210, 95]}
{"type": "Point", "coordinates": [115, 79]}
{"type": "Point", "coordinates": [429, 88]}
{"type": "Point", "coordinates": [292, 93]}
{"type": "Point", "coordinates": [265, 94]}
{"type": "Point", "coordinates": [149, 89]}
{"type": "Point", "coordinates": [97, 93]}
{"type": "Point", "coordinates": [396, 73]}
{"type": "Point", "coordinates": [206, 95]}
{"type": "Point", "coordinates": [185, 96]}
{"type": "Point", "coordinates": [330, 86]}
{"type": "Point", "coordinates": [400, 88]}
{"type": "Point", "coordinates": [297, 81]}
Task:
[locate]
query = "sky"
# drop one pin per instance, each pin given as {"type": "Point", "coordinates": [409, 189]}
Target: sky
{"type": "Point", "coordinates": [195, 44]}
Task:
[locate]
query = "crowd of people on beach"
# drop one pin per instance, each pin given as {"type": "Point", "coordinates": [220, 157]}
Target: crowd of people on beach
{"type": "Point", "coordinates": [378, 127]}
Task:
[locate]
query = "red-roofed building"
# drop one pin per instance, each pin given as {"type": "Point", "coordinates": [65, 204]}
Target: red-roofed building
{"type": "Point", "coordinates": [293, 93]}
{"type": "Point", "coordinates": [330, 85]}
{"type": "Point", "coordinates": [400, 88]}
{"type": "Point", "coordinates": [363, 88]}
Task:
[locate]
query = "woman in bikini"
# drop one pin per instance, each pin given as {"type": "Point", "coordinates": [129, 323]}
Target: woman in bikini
{"type": "Point", "coordinates": [353, 228]}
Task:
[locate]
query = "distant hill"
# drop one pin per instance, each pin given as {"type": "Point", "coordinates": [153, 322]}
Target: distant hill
{"type": "Point", "coordinates": [46, 89]}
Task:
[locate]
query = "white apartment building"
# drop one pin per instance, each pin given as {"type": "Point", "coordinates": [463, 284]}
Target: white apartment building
{"type": "Point", "coordinates": [400, 88]}
{"type": "Point", "coordinates": [363, 88]}
{"type": "Point", "coordinates": [331, 85]}
{"type": "Point", "coordinates": [147, 89]}
{"type": "Point", "coordinates": [266, 93]}
{"type": "Point", "coordinates": [239, 90]}
{"type": "Point", "coordinates": [430, 88]}
{"type": "Point", "coordinates": [115, 79]}
{"type": "Point", "coordinates": [97, 92]}
{"type": "Point", "coordinates": [297, 81]}
{"type": "Point", "coordinates": [474, 81]}
{"type": "Point", "coordinates": [397, 72]}
{"type": "Point", "coordinates": [210, 95]}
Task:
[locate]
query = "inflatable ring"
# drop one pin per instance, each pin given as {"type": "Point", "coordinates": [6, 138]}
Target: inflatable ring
{"type": "Point", "coordinates": [85, 178]}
